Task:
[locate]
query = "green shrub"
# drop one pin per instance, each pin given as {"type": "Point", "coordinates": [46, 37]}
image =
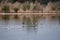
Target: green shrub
{"type": "Point", "coordinates": [16, 10]}
{"type": "Point", "coordinates": [5, 9]}
{"type": "Point", "coordinates": [59, 8]}
{"type": "Point", "coordinates": [53, 9]}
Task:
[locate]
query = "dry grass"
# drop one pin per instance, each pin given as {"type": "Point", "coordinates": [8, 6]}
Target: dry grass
{"type": "Point", "coordinates": [38, 7]}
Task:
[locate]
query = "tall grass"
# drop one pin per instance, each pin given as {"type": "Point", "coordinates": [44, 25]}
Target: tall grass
{"type": "Point", "coordinates": [26, 6]}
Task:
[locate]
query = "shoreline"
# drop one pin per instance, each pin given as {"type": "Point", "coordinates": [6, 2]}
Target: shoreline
{"type": "Point", "coordinates": [29, 15]}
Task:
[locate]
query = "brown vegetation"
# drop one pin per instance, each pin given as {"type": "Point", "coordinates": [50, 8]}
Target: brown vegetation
{"type": "Point", "coordinates": [23, 7]}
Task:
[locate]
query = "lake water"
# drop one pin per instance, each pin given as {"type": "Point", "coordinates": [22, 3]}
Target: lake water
{"type": "Point", "coordinates": [43, 30]}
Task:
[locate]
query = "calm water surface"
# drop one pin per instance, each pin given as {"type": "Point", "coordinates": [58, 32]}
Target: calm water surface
{"type": "Point", "coordinates": [42, 30]}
